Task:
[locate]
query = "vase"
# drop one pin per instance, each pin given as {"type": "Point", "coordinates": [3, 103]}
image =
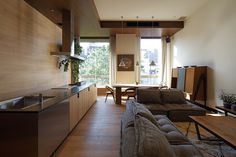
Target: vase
{"type": "Point", "coordinates": [233, 107]}
{"type": "Point", "coordinates": [227, 105]}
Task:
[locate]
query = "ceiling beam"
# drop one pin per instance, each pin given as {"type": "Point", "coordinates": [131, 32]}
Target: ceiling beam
{"type": "Point", "coordinates": [142, 24]}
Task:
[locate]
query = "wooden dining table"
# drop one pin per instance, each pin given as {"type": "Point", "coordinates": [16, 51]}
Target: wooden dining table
{"type": "Point", "coordinates": [118, 87]}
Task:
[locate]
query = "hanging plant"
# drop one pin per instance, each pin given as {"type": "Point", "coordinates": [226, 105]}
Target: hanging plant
{"type": "Point", "coordinates": [75, 70]}
{"type": "Point", "coordinates": [74, 64]}
{"type": "Point", "coordinates": [66, 63]}
{"type": "Point", "coordinates": [78, 48]}
{"type": "Point", "coordinates": [74, 67]}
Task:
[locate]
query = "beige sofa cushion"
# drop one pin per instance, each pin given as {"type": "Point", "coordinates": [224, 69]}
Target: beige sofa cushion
{"type": "Point", "coordinates": [150, 141]}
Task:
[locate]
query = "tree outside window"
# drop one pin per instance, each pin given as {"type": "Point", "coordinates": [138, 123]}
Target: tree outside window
{"type": "Point", "coordinates": [96, 66]}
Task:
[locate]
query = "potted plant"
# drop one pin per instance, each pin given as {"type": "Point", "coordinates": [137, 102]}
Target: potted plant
{"type": "Point", "coordinates": [233, 105]}
{"type": "Point", "coordinates": [74, 64]}
{"type": "Point", "coordinates": [228, 99]}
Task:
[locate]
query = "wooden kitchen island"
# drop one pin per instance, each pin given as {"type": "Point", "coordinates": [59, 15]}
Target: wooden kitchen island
{"type": "Point", "coordinates": [38, 130]}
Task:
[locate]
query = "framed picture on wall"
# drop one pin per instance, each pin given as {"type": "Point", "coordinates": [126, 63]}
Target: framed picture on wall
{"type": "Point", "coordinates": [125, 62]}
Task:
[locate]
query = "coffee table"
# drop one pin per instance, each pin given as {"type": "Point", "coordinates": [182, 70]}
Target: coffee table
{"type": "Point", "coordinates": [223, 127]}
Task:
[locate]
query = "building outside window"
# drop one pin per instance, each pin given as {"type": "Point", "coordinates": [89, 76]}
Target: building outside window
{"type": "Point", "coordinates": [95, 68]}
{"type": "Point", "coordinates": [150, 61]}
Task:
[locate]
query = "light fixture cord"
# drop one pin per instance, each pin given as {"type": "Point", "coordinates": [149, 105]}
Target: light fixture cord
{"type": "Point", "coordinates": [137, 25]}
{"type": "Point", "coordinates": [122, 24]}
{"type": "Point", "coordinates": [152, 27]}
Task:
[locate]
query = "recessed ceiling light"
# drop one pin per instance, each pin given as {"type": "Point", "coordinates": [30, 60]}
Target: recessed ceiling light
{"type": "Point", "coordinates": [52, 10]}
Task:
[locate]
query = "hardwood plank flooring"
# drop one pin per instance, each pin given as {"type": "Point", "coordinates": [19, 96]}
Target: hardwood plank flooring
{"type": "Point", "coordinates": [97, 134]}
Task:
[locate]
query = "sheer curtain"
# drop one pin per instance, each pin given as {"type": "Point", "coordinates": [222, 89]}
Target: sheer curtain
{"type": "Point", "coordinates": [167, 60]}
{"type": "Point", "coordinates": [113, 60]}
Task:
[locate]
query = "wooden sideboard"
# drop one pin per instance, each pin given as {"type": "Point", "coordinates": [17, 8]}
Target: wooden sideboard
{"type": "Point", "coordinates": [192, 80]}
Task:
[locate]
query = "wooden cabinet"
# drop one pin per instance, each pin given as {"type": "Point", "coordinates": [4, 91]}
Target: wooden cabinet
{"type": "Point", "coordinates": [174, 77]}
{"type": "Point", "coordinates": [74, 110]}
{"type": "Point", "coordinates": [38, 133]}
{"type": "Point", "coordinates": [192, 80]}
{"type": "Point", "coordinates": [34, 134]}
{"type": "Point", "coordinates": [81, 103]}
{"type": "Point", "coordinates": [53, 128]}
{"type": "Point", "coordinates": [181, 79]}
{"type": "Point", "coordinates": [196, 82]}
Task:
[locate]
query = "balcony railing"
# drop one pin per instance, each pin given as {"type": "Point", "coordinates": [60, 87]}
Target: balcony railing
{"type": "Point", "coordinates": [100, 80]}
{"type": "Point", "coordinates": [150, 79]}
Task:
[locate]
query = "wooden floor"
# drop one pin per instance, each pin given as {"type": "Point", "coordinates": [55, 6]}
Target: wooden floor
{"type": "Point", "coordinates": [97, 134]}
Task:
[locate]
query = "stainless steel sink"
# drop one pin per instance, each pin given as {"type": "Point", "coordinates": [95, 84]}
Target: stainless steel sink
{"type": "Point", "coordinates": [23, 102]}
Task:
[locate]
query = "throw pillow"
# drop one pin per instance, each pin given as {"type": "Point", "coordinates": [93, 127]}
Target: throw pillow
{"type": "Point", "coordinates": [140, 109]}
{"type": "Point", "coordinates": [150, 142]}
{"type": "Point", "coordinates": [172, 96]}
{"type": "Point", "coordinates": [148, 95]}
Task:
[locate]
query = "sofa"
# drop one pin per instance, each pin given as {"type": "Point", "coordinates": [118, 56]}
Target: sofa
{"type": "Point", "coordinates": [146, 135]}
{"type": "Point", "coordinates": [169, 102]}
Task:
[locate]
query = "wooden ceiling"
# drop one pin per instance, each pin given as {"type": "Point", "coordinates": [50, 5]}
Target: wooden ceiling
{"type": "Point", "coordinates": [87, 22]}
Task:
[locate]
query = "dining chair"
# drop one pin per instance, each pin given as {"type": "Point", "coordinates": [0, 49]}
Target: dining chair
{"type": "Point", "coordinates": [130, 93]}
{"type": "Point", "coordinates": [163, 87]}
{"type": "Point", "coordinates": [110, 91]}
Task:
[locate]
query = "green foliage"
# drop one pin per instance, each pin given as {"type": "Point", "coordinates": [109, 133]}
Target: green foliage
{"type": "Point", "coordinates": [97, 64]}
{"type": "Point", "coordinates": [228, 98]}
{"type": "Point", "coordinates": [66, 63]}
{"type": "Point", "coordinates": [74, 63]}
{"type": "Point", "coordinates": [78, 48]}
{"type": "Point", "coordinates": [75, 69]}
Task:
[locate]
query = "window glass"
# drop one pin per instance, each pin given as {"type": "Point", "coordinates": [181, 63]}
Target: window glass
{"type": "Point", "coordinates": [150, 59]}
{"type": "Point", "coordinates": [95, 68]}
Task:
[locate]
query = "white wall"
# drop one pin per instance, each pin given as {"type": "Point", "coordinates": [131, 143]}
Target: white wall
{"type": "Point", "coordinates": [209, 38]}
{"type": "Point", "coordinates": [127, 44]}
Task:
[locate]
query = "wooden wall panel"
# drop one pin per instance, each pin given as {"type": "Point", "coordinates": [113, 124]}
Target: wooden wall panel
{"type": "Point", "coordinates": [26, 39]}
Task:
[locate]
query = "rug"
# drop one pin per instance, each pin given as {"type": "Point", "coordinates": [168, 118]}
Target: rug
{"type": "Point", "coordinates": [211, 147]}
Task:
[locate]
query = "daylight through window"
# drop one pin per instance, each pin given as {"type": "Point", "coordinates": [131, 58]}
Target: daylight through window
{"type": "Point", "coordinates": [150, 57]}
{"type": "Point", "coordinates": [96, 66]}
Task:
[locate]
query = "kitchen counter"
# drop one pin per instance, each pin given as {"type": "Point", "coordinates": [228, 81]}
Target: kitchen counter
{"type": "Point", "coordinates": [37, 130]}
{"type": "Point", "coordinates": [57, 95]}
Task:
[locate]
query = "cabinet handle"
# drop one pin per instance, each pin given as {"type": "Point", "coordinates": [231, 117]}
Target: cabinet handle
{"type": "Point", "coordinates": [77, 95]}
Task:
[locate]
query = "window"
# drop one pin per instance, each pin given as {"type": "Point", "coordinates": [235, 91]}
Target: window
{"type": "Point", "coordinates": [150, 59]}
{"type": "Point", "coordinates": [95, 68]}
